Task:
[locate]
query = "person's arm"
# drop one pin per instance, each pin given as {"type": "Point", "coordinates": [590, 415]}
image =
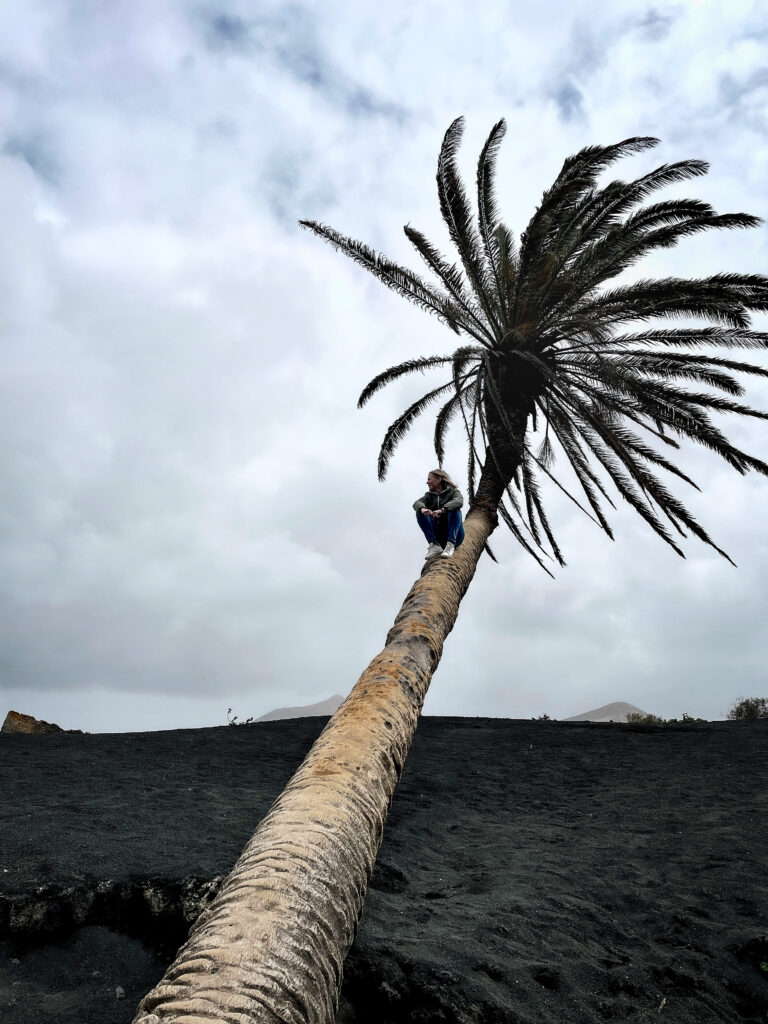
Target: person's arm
{"type": "Point", "coordinates": [456, 501]}
{"type": "Point", "coordinates": [420, 505]}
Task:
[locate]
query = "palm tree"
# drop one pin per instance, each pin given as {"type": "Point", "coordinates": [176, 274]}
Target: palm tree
{"type": "Point", "coordinates": [554, 363]}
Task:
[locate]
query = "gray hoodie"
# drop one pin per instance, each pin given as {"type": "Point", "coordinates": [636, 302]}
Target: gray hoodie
{"type": "Point", "coordinates": [448, 499]}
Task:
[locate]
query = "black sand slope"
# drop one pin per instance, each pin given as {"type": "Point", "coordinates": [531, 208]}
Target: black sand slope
{"type": "Point", "coordinates": [531, 871]}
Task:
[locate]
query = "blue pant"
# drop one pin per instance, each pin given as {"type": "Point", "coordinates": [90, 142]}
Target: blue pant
{"type": "Point", "coordinates": [447, 528]}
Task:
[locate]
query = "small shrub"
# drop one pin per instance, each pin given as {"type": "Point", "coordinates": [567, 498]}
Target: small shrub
{"type": "Point", "coordinates": [749, 707]}
{"type": "Point", "coordinates": [635, 718]}
{"type": "Point", "coordinates": [233, 720]}
{"type": "Point", "coordinates": [542, 718]}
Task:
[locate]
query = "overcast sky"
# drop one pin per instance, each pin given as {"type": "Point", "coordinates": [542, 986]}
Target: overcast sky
{"type": "Point", "coordinates": [190, 516]}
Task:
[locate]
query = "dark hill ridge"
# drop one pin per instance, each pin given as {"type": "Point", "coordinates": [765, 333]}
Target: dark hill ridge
{"type": "Point", "coordinates": [530, 872]}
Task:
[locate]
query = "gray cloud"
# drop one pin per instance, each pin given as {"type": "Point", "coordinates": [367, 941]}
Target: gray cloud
{"type": "Point", "coordinates": [191, 518]}
{"type": "Point", "coordinates": [656, 25]}
{"type": "Point", "coordinates": [289, 37]}
{"type": "Point", "coordinates": [228, 30]}
{"type": "Point", "coordinates": [569, 102]}
{"type": "Point", "coordinates": [732, 90]}
{"type": "Point", "coordinates": [37, 152]}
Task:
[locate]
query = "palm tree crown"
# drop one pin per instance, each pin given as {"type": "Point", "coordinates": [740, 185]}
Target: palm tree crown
{"type": "Point", "coordinates": [555, 361]}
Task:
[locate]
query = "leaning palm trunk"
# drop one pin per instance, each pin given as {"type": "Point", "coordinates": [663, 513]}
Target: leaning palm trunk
{"type": "Point", "coordinates": [270, 948]}
{"type": "Point", "coordinates": [548, 344]}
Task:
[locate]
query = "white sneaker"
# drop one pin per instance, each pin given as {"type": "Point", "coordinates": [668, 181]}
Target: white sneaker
{"type": "Point", "coordinates": [448, 551]}
{"type": "Point", "coordinates": [432, 550]}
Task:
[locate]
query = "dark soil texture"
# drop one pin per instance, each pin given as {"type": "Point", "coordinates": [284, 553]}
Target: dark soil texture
{"type": "Point", "coordinates": [531, 872]}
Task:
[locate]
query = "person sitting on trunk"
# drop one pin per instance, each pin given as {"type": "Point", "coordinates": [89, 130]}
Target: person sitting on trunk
{"type": "Point", "coordinates": [438, 515]}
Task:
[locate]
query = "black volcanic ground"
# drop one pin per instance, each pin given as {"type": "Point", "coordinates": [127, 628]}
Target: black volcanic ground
{"type": "Point", "coordinates": [530, 872]}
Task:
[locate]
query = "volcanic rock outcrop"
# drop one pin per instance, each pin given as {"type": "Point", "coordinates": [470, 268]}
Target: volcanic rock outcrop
{"type": "Point", "coordinates": [16, 722]}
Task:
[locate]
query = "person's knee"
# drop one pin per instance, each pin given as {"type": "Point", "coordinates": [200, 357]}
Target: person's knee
{"type": "Point", "coordinates": [426, 525]}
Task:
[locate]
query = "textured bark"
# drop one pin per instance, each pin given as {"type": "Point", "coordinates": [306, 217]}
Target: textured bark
{"type": "Point", "coordinates": [270, 948]}
{"type": "Point", "coordinates": [502, 456]}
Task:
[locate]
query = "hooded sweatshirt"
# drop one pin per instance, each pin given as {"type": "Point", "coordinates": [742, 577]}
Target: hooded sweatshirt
{"type": "Point", "coordinates": [448, 499]}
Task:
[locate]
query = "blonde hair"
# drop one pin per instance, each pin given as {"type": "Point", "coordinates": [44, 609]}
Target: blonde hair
{"type": "Point", "coordinates": [442, 475]}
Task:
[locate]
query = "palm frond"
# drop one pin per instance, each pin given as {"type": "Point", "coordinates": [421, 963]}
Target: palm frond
{"type": "Point", "coordinates": [669, 367]}
{"type": "Point", "coordinates": [621, 445]}
{"type": "Point", "coordinates": [457, 214]}
{"type": "Point", "coordinates": [453, 281]}
{"type": "Point", "coordinates": [587, 478]}
{"type": "Point", "coordinates": [649, 359]}
{"type": "Point", "coordinates": [392, 374]}
{"type": "Point", "coordinates": [669, 409]}
{"type": "Point", "coordinates": [576, 178]}
{"type": "Point", "coordinates": [446, 415]}
{"type": "Point", "coordinates": [618, 374]}
{"type": "Point", "coordinates": [536, 508]}
{"type": "Point", "coordinates": [407, 284]}
{"type": "Point", "coordinates": [403, 424]}
{"type": "Point", "coordinates": [488, 217]}
{"type": "Point", "coordinates": [626, 244]}
{"type": "Point", "coordinates": [605, 206]}
{"type": "Point", "coordinates": [726, 298]}
{"type": "Point", "coordinates": [624, 483]}
{"type": "Point", "coordinates": [517, 533]}
{"type": "Point", "coordinates": [516, 444]}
